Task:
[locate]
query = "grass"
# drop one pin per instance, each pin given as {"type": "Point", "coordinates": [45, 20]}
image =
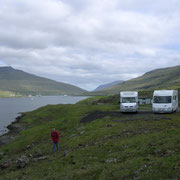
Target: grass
{"type": "Point", "coordinates": [165, 78]}
{"type": "Point", "coordinates": [4, 94]}
{"type": "Point", "coordinates": [121, 146]}
{"type": "Point", "coordinates": [24, 83]}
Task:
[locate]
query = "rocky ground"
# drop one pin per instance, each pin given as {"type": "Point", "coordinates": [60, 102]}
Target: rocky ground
{"type": "Point", "coordinates": [14, 129]}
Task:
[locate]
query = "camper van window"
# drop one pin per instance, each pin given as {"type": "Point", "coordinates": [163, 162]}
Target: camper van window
{"type": "Point", "coordinates": [162, 99]}
{"type": "Point", "coordinates": [128, 100]}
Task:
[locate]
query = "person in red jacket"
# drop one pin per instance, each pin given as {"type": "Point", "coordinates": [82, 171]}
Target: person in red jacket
{"type": "Point", "coordinates": [55, 139]}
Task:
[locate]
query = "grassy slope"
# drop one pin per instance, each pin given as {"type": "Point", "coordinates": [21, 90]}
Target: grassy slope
{"type": "Point", "coordinates": [168, 78]}
{"type": "Point", "coordinates": [144, 146]}
{"type": "Point", "coordinates": [7, 94]}
{"type": "Point", "coordinates": [25, 83]}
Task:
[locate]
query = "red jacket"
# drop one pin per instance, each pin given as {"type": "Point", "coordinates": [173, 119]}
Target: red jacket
{"type": "Point", "coordinates": [55, 136]}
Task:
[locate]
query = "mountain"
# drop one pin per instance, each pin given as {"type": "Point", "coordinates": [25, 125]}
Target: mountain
{"type": "Point", "coordinates": [104, 86]}
{"type": "Point", "coordinates": [20, 82]}
{"type": "Point", "coordinates": [165, 78]}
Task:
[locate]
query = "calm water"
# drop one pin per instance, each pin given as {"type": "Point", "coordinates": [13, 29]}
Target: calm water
{"type": "Point", "coordinates": [10, 107]}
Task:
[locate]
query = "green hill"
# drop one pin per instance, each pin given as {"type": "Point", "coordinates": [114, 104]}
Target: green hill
{"type": "Point", "coordinates": [8, 94]}
{"type": "Point", "coordinates": [17, 81]}
{"type": "Point", "coordinates": [96, 142]}
{"type": "Point", "coordinates": [108, 85]}
{"type": "Point", "coordinates": [166, 78]}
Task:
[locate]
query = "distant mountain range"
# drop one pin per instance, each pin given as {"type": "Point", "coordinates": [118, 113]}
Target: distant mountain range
{"type": "Point", "coordinates": [165, 78]}
{"type": "Point", "coordinates": [17, 81]}
{"type": "Point", "coordinates": [108, 85]}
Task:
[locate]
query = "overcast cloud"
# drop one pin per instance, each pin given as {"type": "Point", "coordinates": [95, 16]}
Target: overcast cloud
{"type": "Point", "coordinates": [88, 42]}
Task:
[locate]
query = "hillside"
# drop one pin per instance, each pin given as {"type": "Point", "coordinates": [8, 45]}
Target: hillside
{"type": "Point", "coordinates": [8, 94]}
{"type": "Point", "coordinates": [97, 142]}
{"type": "Point", "coordinates": [17, 81]}
{"type": "Point", "coordinates": [108, 85]}
{"type": "Point", "coordinates": [166, 78]}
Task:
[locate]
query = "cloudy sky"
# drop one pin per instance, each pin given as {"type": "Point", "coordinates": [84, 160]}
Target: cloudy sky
{"type": "Point", "coordinates": [89, 42]}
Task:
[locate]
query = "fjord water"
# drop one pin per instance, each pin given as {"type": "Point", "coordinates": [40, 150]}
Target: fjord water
{"type": "Point", "coordinates": [10, 107]}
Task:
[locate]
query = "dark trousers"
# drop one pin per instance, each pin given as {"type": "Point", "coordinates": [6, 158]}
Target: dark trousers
{"type": "Point", "coordinates": [55, 146]}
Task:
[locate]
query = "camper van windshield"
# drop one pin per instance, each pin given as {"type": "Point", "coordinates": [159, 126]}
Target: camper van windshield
{"type": "Point", "coordinates": [128, 100]}
{"type": "Point", "coordinates": [162, 99]}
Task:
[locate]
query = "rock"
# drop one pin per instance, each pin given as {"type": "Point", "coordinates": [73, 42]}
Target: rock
{"type": "Point", "coordinates": [65, 153]}
{"type": "Point", "coordinates": [100, 103]}
{"type": "Point", "coordinates": [110, 160]}
{"type": "Point", "coordinates": [82, 132]}
{"type": "Point", "coordinates": [158, 152]}
{"type": "Point", "coordinates": [109, 125]}
{"type": "Point", "coordinates": [35, 159]}
{"type": "Point", "coordinates": [80, 128]}
{"type": "Point", "coordinates": [72, 136]}
{"type": "Point", "coordinates": [169, 152]}
{"type": "Point", "coordinates": [94, 102]}
{"type": "Point", "coordinates": [2, 142]}
{"type": "Point", "coordinates": [83, 167]}
{"type": "Point", "coordinates": [40, 158]}
{"type": "Point", "coordinates": [2, 153]}
{"type": "Point", "coordinates": [65, 178]}
{"type": "Point", "coordinates": [141, 169]}
{"type": "Point", "coordinates": [112, 174]}
{"type": "Point", "coordinates": [124, 146]}
{"type": "Point", "coordinates": [22, 162]}
{"type": "Point", "coordinates": [177, 167]}
{"type": "Point", "coordinates": [38, 153]}
{"type": "Point", "coordinates": [28, 147]}
{"type": "Point", "coordinates": [5, 165]}
{"type": "Point", "coordinates": [30, 155]}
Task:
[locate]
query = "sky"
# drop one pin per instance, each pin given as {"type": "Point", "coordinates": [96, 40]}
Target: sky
{"type": "Point", "coordinates": [89, 42]}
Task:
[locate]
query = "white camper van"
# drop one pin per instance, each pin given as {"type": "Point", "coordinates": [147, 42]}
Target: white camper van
{"type": "Point", "coordinates": [129, 101]}
{"type": "Point", "coordinates": [165, 101]}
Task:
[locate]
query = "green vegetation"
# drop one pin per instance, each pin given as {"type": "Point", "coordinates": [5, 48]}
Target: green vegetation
{"type": "Point", "coordinates": [17, 81]}
{"type": "Point", "coordinates": [166, 78]}
{"type": "Point", "coordinates": [8, 94]}
{"type": "Point", "coordinates": [110, 145]}
{"type": "Point", "coordinates": [104, 86]}
{"type": "Point", "coordinates": [113, 99]}
{"type": "Point", "coordinates": [24, 83]}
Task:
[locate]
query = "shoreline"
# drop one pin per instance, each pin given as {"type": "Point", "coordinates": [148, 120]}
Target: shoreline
{"type": "Point", "coordinates": [13, 129]}
{"type": "Point", "coordinates": [15, 126]}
